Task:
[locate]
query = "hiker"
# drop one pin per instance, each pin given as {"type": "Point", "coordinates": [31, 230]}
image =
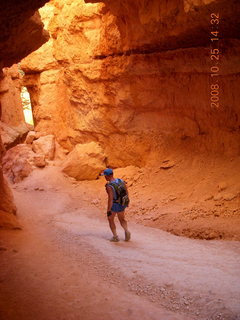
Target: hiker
{"type": "Point", "coordinates": [117, 202]}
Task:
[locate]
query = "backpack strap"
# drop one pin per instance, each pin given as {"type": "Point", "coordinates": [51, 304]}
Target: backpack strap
{"type": "Point", "coordinates": [115, 185]}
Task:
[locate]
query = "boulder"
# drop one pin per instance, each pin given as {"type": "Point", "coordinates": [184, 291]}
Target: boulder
{"type": "Point", "coordinates": [19, 162]}
{"type": "Point", "coordinates": [30, 137]}
{"type": "Point", "coordinates": [39, 160]}
{"type": "Point", "coordinates": [11, 136]}
{"type": "Point", "coordinates": [45, 145]}
{"type": "Point", "coordinates": [85, 161]}
{"type": "Point", "coordinates": [16, 164]}
{"type": "Point", "coordinates": [21, 169]}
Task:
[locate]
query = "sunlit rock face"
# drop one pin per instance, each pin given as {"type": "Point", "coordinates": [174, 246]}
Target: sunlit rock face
{"type": "Point", "coordinates": [134, 76]}
{"type": "Point", "coordinates": [12, 123]}
{"type": "Point", "coordinates": [21, 33]}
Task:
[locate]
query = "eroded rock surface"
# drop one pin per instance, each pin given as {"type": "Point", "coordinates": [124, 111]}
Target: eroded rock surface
{"type": "Point", "coordinates": [12, 124]}
{"type": "Point", "coordinates": [21, 33]}
{"type": "Point", "coordinates": [21, 30]}
{"type": "Point", "coordinates": [135, 77]}
{"type": "Point", "coordinates": [7, 207]}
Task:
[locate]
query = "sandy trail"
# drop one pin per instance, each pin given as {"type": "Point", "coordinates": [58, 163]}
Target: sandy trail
{"type": "Point", "coordinates": [61, 266]}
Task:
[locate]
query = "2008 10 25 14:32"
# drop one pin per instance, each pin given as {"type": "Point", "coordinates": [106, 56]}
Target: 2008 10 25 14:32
{"type": "Point", "coordinates": [214, 56]}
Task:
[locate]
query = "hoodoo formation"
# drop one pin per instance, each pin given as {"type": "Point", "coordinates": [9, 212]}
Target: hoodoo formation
{"type": "Point", "coordinates": [128, 84]}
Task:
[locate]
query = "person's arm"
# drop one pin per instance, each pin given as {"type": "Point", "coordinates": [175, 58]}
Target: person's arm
{"type": "Point", "coordinates": [110, 197]}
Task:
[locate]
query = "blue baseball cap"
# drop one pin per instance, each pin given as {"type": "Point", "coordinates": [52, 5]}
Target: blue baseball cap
{"type": "Point", "coordinates": [107, 172]}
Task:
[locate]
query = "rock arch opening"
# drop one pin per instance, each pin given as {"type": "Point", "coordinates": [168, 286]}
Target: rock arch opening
{"type": "Point", "coordinates": [27, 106]}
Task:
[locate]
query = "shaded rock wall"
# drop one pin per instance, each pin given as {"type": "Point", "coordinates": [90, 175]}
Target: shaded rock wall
{"type": "Point", "coordinates": [7, 207]}
{"type": "Point", "coordinates": [168, 25]}
{"type": "Point", "coordinates": [21, 30]}
{"type": "Point", "coordinates": [134, 76]}
{"type": "Point", "coordinates": [21, 33]}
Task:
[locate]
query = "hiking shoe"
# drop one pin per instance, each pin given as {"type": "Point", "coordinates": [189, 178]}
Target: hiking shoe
{"type": "Point", "coordinates": [115, 239]}
{"type": "Point", "coordinates": [127, 235]}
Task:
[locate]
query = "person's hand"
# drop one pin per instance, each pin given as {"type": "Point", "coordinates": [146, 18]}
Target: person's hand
{"type": "Point", "coordinates": [109, 213]}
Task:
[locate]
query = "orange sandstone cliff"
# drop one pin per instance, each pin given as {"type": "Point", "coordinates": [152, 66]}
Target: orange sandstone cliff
{"type": "Point", "coordinates": [21, 33]}
{"type": "Point", "coordinates": [133, 83]}
{"type": "Point", "coordinates": [135, 78]}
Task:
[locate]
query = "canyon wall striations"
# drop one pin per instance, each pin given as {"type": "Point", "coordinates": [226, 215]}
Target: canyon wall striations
{"type": "Point", "coordinates": [21, 33]}
{"type": "Point", "coordinates": [134, 77]}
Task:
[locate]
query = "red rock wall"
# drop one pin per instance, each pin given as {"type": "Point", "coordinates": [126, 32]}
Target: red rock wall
{"type": "Point", "coordinates": [12, 111]}
{"type": "Point", "coordinates": [21, 30]}
{"type": "Point", "coordinates": [168, 25]}
{"type": "Point", "coordinates": [21, 33]}
{"type": "Point", "coordinates": [135, 77]}
{"type": "Point", "coordinates": [12, 123]}
{"type": "Point", "coordinates": [7, 207]}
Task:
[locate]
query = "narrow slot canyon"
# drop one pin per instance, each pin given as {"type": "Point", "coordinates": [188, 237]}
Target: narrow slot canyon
{"type": "Point", "coordinates": [149, 89]}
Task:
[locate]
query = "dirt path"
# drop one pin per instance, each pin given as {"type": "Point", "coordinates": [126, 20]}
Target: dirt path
{"type": "Point", "coordinates": [61, 266]}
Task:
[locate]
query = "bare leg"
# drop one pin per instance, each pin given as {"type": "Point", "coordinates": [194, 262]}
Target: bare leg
{"type": "Point", "coordinates": [122, 220]}
{"type": "Point", "coordinates": [123, 223]}
{"type": "Point", "coordinates": [112, 224]}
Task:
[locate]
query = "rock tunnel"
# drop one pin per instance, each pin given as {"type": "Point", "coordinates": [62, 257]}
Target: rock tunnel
{"type": "Point", "coordinates": [149, 84]}
{"type": "Point", "coordinates": [148, 88]}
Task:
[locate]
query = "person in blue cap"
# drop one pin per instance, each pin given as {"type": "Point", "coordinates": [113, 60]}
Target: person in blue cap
{"type": "Point", "coordinates": [117, 202]}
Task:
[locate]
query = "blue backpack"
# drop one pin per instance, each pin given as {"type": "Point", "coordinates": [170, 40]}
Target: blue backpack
{"type": "Point", "coordinates": [121, 192]}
